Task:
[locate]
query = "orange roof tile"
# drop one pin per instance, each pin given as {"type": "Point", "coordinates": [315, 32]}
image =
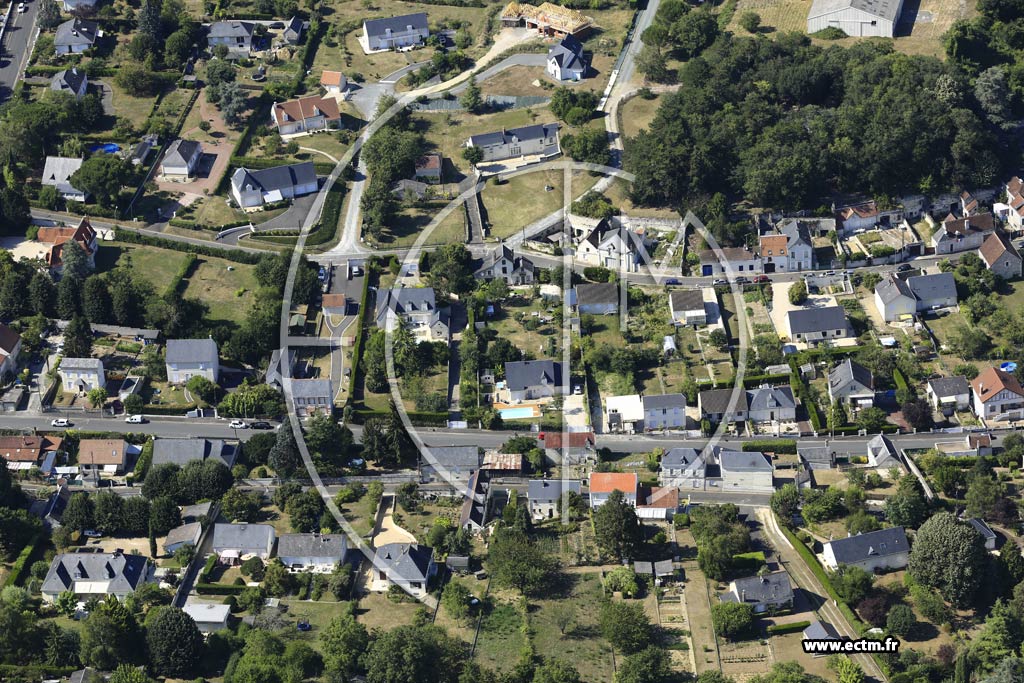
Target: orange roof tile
{"type": "Point", "coordinates": [606, 482]}
{"type": "Point", "coordinates": [993, 380]}
{"type": "Point", "coordinates": [306, 108]}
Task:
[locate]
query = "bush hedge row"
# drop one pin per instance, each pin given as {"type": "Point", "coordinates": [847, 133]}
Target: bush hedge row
{"type": "Point", "coordinates": [236, 255]}
{"type": "Point", "coordinates": [781, 629]}
{"type": "Point", "coordinates": [20, 565]}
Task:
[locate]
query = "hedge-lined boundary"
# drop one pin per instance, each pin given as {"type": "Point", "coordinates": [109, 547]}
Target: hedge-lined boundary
{"type": "Point", "coordinates": [172, 409]}
{"type": "Point", "coordinates": [236, 255]}
{"type": "Point", "coordinates": [260, 163]}
{"type": "Point", "coordinates": [357, 348]}
{"type": "Point", "coordinates": [178, 283]}
{"type": "Point", "coordinates": [782, 629]}
{"type": "Point", "coordinates": [217, 589]}
{"type": "Point", "coordinates": [20, 565]}
{"type": "Point", "coordinates": [812, 563]}
{"type": "Point", "coordinates": [780, 446]}
{"type": "Point", "coordinates": [417, 419]}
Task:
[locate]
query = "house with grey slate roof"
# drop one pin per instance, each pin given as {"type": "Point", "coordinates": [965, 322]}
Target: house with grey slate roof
{"type": "Point", "coordinates": [503, 263]}
{"type": "Point", "coordinates": [539, 139]}
{"type": "Point", "coordinates": [70, 80]}
{"type": "Point", "coordinates": [188, 358]}
{"type": "Point", "coordinates": [771, 404]}
{"type": "Point", "coordinates": [985, 531]}
{"type": "Point", "coordinates": [545, 496]}
{"type": "Point", "coordinates": [882, 453]}
{"type": "Point", "coordinates": [874, 551]}
{"type": "Point", "coordinates": [406, 565]}
{"type": "Point", "coordinates": [816, 457]}
{"type": "Point", "coordinates": [80, 375]}
{"type": "Point", "coordinates": [813, 325]}
{"type": "Point", "coordinates": [183, 451]}
{"type": "Point", "coordinates": [664, 411]}
{"type": "Point", "coordinates": [94, 574]}
{"type": "Point", "coordinates": [235, 35]}
{"type": "Point", "coordinates": [526, 380]}
{"type": "Point", "coordinates": [949, 393]}
{"type": "Point", "coordinates": [597, 299]}
{"type": "Point", "coordinates": [392, 33]}
{"type": "Point", "coordinates": [186, 534]}
{"type": "Point", "coordinates": [319, 553]}
{"type": "Point", "coordinates": [765, 594]}
{"type": "Point", "coordinates": [75, 36]}
{"type": "Point", "coordinates": [717, 405]}
{"type": "Point", "coordinates": [181, 160]}
{"type": "Point", "coordinates": [294, 31]}
{"type": "Point", "coordinates": [896, 296]}
{"type": "Point", "coordinates": [234, 543]}
{"type": "Point", "coordinates": [417, 309]}
{"type": "Point", "coordinates": [57, 172]}
{"type": "Point", "coordinates": [851, 383]}
{"type": "Point", "coordinates": [683, 468]}
{"type": "Point", "coordinates": [453, 464]}
{"type": "Point", "coordinates": [745, 471]}
{"type": "Point", "coordinates": [251, 189]}
{"type": "Point", "coordinates": [821, 630]}
{"type": "Point", "coordinates": [566, 61]}
{"type": "Point", "coordinates": [311, 396]}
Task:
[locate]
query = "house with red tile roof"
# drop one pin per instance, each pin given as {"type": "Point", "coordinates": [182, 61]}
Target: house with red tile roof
{"type": "Point", "coordinates": [57, 236]}
{"type": "Point", "coordinates": [306, 115]}
{"type": "Point", "coordinates": [602, 484]}
{"type": "Point", "coordinates": [998, 395]}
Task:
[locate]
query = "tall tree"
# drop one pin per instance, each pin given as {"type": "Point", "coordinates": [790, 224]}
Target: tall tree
{"type": "Point", "coordinates": [175, 643]}
{"type": "Point", "coordinates": [96, 300]}
{"type": "Point", "coordinates": [617, 528]}
{"type": "Point", "coordinates": [344, 641]}
{"type": "Point", "coordinates": [949, 555]}
{"type": "Point", "coordinates": [42, 293]}
{"type": "Point", "coordinates": [78, 338]}
{"type": "Point", "coordinates": [74, 260]}
{"type": "Point", "coordinates": [69, 297]}
{"type": "Point", "coordinates": [80, 512]}
{"type": "Point", "coordinates": [425, 654]}
{"type": "Point", "coordinates": [284, 458]}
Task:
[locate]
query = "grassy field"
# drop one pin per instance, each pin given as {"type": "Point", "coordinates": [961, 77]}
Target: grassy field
{"type": "Point", "coordinates": [446, 133]}
{"type": "Point", "coordinates": [536, 342]}
{"type": "Point", "coordinates": [514, 204]}
{"type": "Point", "coordinates": [360, 515]}
{"type": "Point", "coordinates": [518, 81]}
{"type": "Point", "coordinates": [581, 645]}
{"type": "Point", "coordinates": [157, 266]}
{"type": "Point", "coordinates": [618, 193]}
{"type": "Point", "coordinates": [227, 288]}
{"type": "Point", "coordinates": [501, 637]}
{"type": "Point", "coordinates": [637, 113]}
{"type": "Point", "coordinates": [375, 611]}
{"type": "Point", "coordinates": [410, 223]}
{"type": "Point", "coordinates": [921, 37]}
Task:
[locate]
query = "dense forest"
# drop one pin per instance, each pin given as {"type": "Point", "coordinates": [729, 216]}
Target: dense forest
{"type": "Point", "coordinates": [784, 123]}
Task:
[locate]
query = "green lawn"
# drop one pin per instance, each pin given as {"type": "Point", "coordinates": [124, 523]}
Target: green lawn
{"type": "Point", "coordinates": [228, 288]}
{"type": "Point", "coordinates": [514, 204]}
{"type": "Point", "coordinates": [637, 114]}
{"type": "Point", "coordinates": [410, 223]}
{"type": "Point", "coordinates": [501, 637]}
{"type": "Point", "coordinates": [446, 133]}
{"type": "Point", "coordinates": [581, 645]}
{"type": "Point", "coordinates": [157, 266]}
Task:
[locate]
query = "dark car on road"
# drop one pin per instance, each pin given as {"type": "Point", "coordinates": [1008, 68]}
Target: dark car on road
{"type": "Point", "coordinates": [904, 267]}
{"type": "Point", "coordinates": [673, 281]}
{"type": "Point", "coordinates": [261, 424]}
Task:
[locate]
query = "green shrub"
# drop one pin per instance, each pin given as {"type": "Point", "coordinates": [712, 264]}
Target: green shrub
{"type": "Point", "coordinates": [781, 629]}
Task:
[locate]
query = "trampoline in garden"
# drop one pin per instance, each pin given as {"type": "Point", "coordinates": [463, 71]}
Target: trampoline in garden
{"type": "Point", "coordinates": [1008, 367]}
{"type": "Point", "coordinates": [105, 147]}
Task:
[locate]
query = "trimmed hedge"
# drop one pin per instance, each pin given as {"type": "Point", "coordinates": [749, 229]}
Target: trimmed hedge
{"type": "Point", "coordinates": [357, 348]}
{"type": "Point", "coordinates": [781, 446]}
{"type": "Point", "coordinates": [193, 225]}
{"type": "Point", "coordinates": [170, 409]}
{"type": "Point", "coordinates": [217, 589]}
{"type": "Point", "coordinates": [236, 255]}
{"type": "Point", "coordinates": [781, 629]}
{"type": "Point", "coordinates": [757, 380]}
{"type": "Point", "coordinates": [177, 284]}
{"type": "Point", "coordinates": [33, 672]}
{"type": "Point", "coordinates": [417, 419]}
{"type": "Point", "coordinates": [20, 565]}
{"type": "Point", "coordinates": [812, 563]}
{"type": "Point", "coordinates": [204, 575]}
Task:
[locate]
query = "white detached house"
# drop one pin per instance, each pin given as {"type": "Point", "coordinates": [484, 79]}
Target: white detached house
{"type": "Point", "coordinates": [187, 358]}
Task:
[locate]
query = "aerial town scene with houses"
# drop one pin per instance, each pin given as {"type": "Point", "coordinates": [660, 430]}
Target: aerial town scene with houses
{"type": "Point", "coordinates": [477, 341]}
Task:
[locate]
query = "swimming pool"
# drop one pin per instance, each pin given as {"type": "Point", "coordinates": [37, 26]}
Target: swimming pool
{"type": "Point", "coordinates": [105, 147]}
{"type": "Point", "coordinates": [515, 413]}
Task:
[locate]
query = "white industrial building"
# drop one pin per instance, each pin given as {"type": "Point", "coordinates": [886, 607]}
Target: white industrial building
{"type": "Point", "coordinates": [855, 17]}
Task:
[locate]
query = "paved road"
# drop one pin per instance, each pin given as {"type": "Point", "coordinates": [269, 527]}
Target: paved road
{"type": "Point", "coordinates": [163, 426]}
{"type": "Point", "coordinates": [16, 47]}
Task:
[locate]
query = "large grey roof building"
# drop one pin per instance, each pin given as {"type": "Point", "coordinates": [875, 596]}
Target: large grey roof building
{"type": "Point", "coordinates": [817, 324]}
{"type": "Point", "coordinates": [876, 549]}
{"type": "Point", "coordinates": [253, 188]}
{"type": "Point", "coordinates": [765, 593]}
{"type": "Point", "coordinates": [855, 17]}
{"type": "Point", "coordinates": [191, 351]}
{"type": "Point", "coordinates": [99, 574]}
{"type": "Point", "coordinates": [523, 374]}
{"type": "Point", "coordinates": [183, 451]}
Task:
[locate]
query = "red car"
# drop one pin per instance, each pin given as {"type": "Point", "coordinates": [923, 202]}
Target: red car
{"type": "Point", "coordinates": [762, 278]}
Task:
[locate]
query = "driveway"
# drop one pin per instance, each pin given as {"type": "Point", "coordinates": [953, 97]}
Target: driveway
{"type": "Point", "coordinates": [216, 155]}
{"type": "Point", "coordinates": [291, 219]}
{"type": "Point", "coordinates": [781, 305]}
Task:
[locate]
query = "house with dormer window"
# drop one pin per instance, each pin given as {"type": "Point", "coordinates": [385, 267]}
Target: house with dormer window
{"type": "Point", "coordinates": [393, 33]}
{"type": "Point", "coordinates": [416, 308]}
{"type": "Point", "coordinates": [874, 551]}
{"type": "Point", "coordinates": [998, 395]}
{"type": "Point", "coordinates": [305, 115]}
